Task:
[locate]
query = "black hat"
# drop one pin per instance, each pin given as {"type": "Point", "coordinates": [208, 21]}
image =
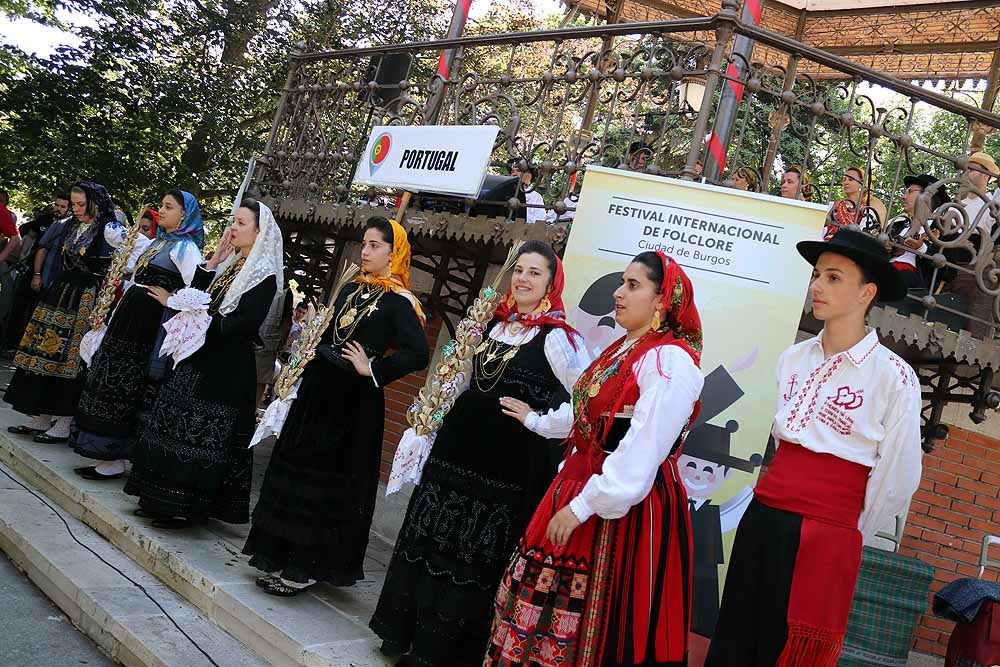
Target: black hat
{"type": "Point", "coordinates": [941, 196]}
{"type": "Point", "coordinates": [867, 252]}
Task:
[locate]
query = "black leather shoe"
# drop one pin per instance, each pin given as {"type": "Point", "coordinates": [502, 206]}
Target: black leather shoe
{"type": "Point", "coordinates": [23, 429]}
{"type": "Point", "coordinates": [90, 472]}
{"type": "Point", "coordinates": [47, 439]}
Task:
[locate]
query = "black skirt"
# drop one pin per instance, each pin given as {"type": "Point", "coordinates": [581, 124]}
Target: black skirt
{"type": "Point", "coordinates": [191, 459]}
{"type": "Point", "coordinates": [482, 482]}
{"type": "Point", "coordinates": [118, 386]}
{"type": "Point", "coordinates": [318, 496]}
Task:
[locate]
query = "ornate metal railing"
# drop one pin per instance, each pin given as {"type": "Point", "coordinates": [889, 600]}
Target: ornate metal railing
{"type": "Point", "coordinates": [625, 96]}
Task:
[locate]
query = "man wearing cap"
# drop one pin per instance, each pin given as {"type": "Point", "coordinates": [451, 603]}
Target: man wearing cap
{"type": "Point", "coordinates": [848, 459]}
{"type": "Point", "coordinates": [980, 169]}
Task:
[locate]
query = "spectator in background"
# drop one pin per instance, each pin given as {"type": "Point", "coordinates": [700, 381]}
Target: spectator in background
{"type": "Point", "coordinates": [535, 211]}
{"type": "Point", "coordinates": [32, 255]}
{"type": "Point", "coordinates": [638, 156]}
{"type": "Point", "coordinates": [980, 171]}
{"type": "Point", "coordinates": [901, 230]}
{"type": "Point", "coordinates": [746, 178]}
{"type": "Point", "coordinates": [795, 184]}
{"type": "Point", "coordinates": [11, 239]}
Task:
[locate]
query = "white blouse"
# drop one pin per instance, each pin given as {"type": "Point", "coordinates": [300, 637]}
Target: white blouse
{"type": "Point", "coordinates": [669, 385]}
{"type": "Point", "coordinates": [862, 405]}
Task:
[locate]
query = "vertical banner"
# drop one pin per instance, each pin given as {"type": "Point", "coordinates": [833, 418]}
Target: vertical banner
{"type": "Point", "coordinates": [749, 281]}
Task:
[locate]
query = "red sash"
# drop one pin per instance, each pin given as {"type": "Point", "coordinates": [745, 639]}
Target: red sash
{"type": "Point", "coordinates": [829, 493]}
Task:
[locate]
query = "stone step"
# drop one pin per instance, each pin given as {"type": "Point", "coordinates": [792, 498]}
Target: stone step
{"type": "Point", "coordinates": [101, 602]}
{"type": "Point", "coordinates": [323, 627]}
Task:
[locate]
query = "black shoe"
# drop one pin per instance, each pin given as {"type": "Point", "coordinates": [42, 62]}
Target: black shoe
{"type": "Point", "coordinates": [279, 588]}
{"type": "Point", "coordinates": [267, 580]}
{"type": "Point", "coordinates": [90, 472]}
{"type": "Point", "coordinates": [23, 429]}
{"type": "Point", "coordinates": [47, 439]}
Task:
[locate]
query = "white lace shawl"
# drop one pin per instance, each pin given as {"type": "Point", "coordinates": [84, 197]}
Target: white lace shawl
{"type": "Point", "coordinates": [266, 258]}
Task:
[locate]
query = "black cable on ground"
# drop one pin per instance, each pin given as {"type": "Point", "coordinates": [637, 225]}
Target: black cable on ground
{"type": "Point", "coordinates": [101, 558]}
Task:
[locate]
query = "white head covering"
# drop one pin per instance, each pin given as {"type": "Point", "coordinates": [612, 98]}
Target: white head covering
{"type": "Point", "coordinates": [266, 258]}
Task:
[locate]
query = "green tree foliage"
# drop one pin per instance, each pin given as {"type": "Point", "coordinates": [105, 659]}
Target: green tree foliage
{"type": "Point", "coordinates": [177, 93]}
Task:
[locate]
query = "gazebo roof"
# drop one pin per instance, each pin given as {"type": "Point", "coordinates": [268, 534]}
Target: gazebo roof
{"type": "Point", "coordinates": [931, 39]}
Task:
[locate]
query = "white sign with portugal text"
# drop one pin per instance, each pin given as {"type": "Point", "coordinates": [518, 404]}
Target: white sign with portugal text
{"type": "Point", "coordinates": [449, 159]}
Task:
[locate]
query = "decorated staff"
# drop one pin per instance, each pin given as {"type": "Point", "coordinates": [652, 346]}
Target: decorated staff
{"type": "Point", "coordinates": [288, 380]}
{"type": "Point", "coordinates": [106, 297]}
{"type": "Point", "coordinates": [438, 395]}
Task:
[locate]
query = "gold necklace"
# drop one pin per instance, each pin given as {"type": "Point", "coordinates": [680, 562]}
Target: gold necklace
{"type": "Point", "coordinates": [148, 255]}
{"type": "Point", "coordinates": [361, 303]}
{"type": "Point", "coordinates": [222, 283]}
{"type": "Point", "coordinates": [488, 352]}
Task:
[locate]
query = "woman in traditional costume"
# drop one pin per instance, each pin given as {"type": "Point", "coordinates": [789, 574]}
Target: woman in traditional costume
{"type": "Point", "coordinates": [126, 369]}
{"type": "Point", "coordinates": [315, 509]}
{"type": "Point", "coordinates": [859, 206]}
{"type": "Point", "coordinates": [848, 460]}
{"type": "Point", "coordinates": [191, 461]}
{"type": "Point", "coordinates": [148, 223]}
{"type": "Point", "coordinates": [485, 474]}
{"type": "Point", "coordinates": [602, 575]}
{"type": "Point", "coordinates": [49, 380]}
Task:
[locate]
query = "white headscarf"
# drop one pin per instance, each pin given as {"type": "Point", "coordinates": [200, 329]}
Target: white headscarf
{"type": "Point", "coordinates": [266, 258]}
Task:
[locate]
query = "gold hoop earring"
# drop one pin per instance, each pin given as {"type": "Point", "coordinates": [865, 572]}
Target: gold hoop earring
{"type": "Point", "coordinates": [510, 300]}
{"type": "Point", "coordinates": [657, 321]}
{"type": "Point", "coordinates": [545, 305]}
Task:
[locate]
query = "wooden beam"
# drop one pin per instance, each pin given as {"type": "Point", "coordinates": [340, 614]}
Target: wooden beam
{"type": "Point", "coordinates": [908, 49]}
{"type": "Point", "coordinates": [898, 10]}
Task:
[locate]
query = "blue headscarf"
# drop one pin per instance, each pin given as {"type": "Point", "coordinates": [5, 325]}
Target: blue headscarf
{"type": "Point", "coordinates": [191, 229]}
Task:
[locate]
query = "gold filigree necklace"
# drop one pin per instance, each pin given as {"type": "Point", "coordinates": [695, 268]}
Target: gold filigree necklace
{"type": "Point", "coordinates": [492, 351]}
{"type": "Point", "coordinates": [360, 304]}
{"type": "Point", "coordinates": [222, 283]}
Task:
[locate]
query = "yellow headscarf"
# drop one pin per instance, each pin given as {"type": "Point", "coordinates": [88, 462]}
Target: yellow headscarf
{"type": "Point", "coordinates": [398, 279]}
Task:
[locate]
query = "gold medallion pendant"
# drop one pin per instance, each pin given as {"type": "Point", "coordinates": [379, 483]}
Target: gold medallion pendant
{"type": "Point", "coordinates": [348, 318]}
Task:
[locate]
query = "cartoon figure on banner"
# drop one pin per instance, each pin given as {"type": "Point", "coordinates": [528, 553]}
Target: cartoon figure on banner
{"type": "Point", "coordinates": [594, 318]}
{"type": "Point", "coordinates": [705, 466]}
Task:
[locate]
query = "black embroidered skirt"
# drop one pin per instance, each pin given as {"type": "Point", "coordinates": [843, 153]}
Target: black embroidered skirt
{"type": "Point", "coordinates": [191, 458]}
{"type": "Point", "coordinates": [481, 484]}
{"type": "Point", "coordinates": [118, 385]}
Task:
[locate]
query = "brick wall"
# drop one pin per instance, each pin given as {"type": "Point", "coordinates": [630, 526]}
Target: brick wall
{"type": "Point", "coordinates": [398, 397]}
{"type": "Point", "coordinates": [957, 504]}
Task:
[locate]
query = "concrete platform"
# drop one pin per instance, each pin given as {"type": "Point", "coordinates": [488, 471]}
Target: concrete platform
{"type": "Point", "coordinates": [106, 607]}
{"type": "Point", "coordinates": [324, 627]}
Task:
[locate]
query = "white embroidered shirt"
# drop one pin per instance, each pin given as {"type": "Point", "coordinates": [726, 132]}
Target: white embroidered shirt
{"type": "Point", "coordinates": [862, 405]}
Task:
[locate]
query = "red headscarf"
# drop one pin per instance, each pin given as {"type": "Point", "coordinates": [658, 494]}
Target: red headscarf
{"type": "Point", "coordinates": [555, 316]}
{"type": "Point", "coordinates": [681, 326]}
{"type": "Point", "coordinates": [154, 216]}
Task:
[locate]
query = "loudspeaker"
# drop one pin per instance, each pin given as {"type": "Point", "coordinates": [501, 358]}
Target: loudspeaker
{"type": "Point", "coordinates": [494, 189]}
{"type": "Point", "coordinates": [387, 71]}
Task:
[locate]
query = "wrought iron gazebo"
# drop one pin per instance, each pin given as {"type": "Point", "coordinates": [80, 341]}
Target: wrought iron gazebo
{"type": "Point", "coordinates": [569, 97]}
